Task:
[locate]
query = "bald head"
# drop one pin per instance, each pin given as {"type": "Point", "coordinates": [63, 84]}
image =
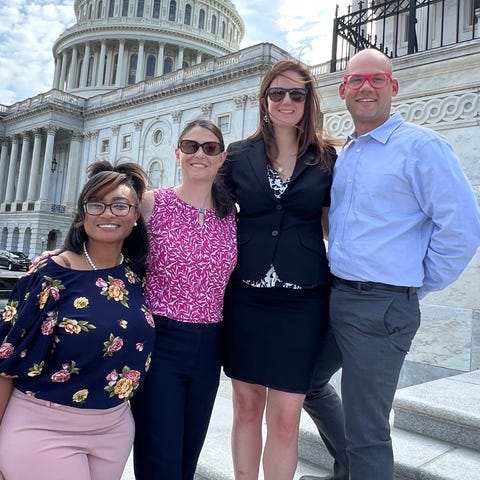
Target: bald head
{"type": "Point", "coordinates": [369, 59]}
{"type": "Point", "coordinates": [368, 102]}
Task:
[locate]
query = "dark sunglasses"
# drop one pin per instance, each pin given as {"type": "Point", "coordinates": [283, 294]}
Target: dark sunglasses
{"type": "Point", "coordinates": [277, 94]}
{"type": "Point", "coordinates": [209, 148]}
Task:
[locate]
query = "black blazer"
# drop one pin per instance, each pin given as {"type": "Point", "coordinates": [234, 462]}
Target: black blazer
{"type": "Point", "coordinates": [287, 232]}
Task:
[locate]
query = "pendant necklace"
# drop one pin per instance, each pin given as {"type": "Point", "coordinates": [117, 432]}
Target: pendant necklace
{"type": "Point", "coordinates": [201, 216]}
{"type": "Point", "coordinates": [89, 259]}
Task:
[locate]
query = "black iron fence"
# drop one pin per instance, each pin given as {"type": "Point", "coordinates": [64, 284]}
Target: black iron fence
{"type": "Point", "coordinates": [403, 27]}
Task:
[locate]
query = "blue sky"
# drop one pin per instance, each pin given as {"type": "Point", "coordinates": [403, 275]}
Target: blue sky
{"type": "Point", "coordinates": [28, 29]}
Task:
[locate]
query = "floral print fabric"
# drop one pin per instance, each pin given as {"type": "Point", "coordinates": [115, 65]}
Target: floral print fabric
{"type": "Point", "coordinates": [189, 264]}
{"type": "Point", "coordinates": [82, 339]}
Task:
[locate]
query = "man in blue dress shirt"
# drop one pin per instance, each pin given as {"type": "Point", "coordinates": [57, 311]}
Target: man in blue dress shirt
{"type": "Point", "coordinates": [404, 222]}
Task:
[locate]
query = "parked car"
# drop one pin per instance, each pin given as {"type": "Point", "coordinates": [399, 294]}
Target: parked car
{"type": "Point", "coordinates": [14, 260]}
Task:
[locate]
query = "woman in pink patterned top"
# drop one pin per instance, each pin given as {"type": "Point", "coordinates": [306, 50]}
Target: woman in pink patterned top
{"type": "Point", "coordinates": [192, 253]}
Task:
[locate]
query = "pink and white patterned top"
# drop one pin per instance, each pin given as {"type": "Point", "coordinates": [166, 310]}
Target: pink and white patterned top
{"type": "Point", "coordinates": [189, 264]}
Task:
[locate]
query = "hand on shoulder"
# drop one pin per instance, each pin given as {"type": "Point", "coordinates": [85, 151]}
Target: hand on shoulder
{"type": "Point", "coordinates": [40, 259]}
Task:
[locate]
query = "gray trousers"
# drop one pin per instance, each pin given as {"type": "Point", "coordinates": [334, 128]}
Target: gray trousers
{"type": "Point", "coordinates": [374, 329]}
{"type": "Point", "coordinates": [324, 406]}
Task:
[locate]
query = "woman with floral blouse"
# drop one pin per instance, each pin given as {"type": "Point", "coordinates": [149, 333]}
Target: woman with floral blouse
{"type": "Point", "coordinates": [76, 340]}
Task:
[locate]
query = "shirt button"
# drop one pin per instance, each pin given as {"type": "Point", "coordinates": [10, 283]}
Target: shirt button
{"type": "Point", "coordinates": [274, 233]}
{"type": "Point", "coordinates": [278, 207]}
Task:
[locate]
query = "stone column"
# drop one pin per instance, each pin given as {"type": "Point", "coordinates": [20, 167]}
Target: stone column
{"type": "Point", "coordinates": [56, 77]}
{"type": "Point", "coordinates": [180, 58]}
{"type": "Point", "coordinates": [115, 130]}
{"type": "Point", "coordinates": [12, 167]}
{"type": "Point", "coordinates": [101, 64]}
{"type": "Point", "coordinates": [72, 76]}
{"type": "Point", "coordinates": [199, 57]}
{"type": "Point", "coordinates": [3, 167]}
{"type": "Point", "coordinates": [74, 162]}
{"type": "Point", "coordinates": [108, 69]}
{"type": "Point", "coordinates": [119, 76]}
{"type": "Point", "coordinates": [161, 53]}
{"type": "Point", "coordinates": [35, 175]}
{"type": "Point", "coordinates": [86, 61]}
{"type": "Point", "coordinates": [63, 72]}
{"type": "Point", "coordinates": [24, 168]}
{"type": "Point", "coordinates": [47, 162]}
{"type": "Point", "coordinates": [140, 74]}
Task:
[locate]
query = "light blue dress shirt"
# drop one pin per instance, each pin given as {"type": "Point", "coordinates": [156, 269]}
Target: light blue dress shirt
{"type": "Point", "coordinates": [402, 211]}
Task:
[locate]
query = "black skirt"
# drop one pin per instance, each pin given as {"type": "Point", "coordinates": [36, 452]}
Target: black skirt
{"type": "Point", "coordinates": [272, 335]}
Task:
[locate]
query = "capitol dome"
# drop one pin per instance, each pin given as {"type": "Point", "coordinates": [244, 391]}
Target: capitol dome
{"type": "Point", "coordinates": [116, 43]}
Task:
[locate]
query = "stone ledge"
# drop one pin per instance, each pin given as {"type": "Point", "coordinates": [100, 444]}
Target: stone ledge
{"type": "Point", "coordinates": [447, 409]}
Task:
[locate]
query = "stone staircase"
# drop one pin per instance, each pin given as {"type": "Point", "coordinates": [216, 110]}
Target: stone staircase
{"type": "Point", "coordinates": [435, 433]}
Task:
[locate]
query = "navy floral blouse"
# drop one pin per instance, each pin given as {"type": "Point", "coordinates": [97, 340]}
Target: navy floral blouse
{"type": "Point", "coordinates": [82, 339]}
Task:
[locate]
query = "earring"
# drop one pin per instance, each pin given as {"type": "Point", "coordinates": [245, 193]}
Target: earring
{"type": "Point", "coordinates": [265, 118]}
{"type": "Point", "coordinates": [135, 224]}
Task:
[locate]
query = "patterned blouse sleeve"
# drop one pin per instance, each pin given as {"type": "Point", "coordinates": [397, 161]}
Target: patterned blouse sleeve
{"type": "Point", "coordinates": [26, 326]}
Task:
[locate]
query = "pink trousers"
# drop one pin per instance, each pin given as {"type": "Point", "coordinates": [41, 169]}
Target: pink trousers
{"type": "Point", "coordinates": [40, 440]}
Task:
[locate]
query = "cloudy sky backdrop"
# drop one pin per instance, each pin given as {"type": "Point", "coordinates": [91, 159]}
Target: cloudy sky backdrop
{"type": "Point", "coordinates": [28, 29]}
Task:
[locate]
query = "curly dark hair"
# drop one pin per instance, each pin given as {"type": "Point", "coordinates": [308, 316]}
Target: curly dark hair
{"type": "Point", "coordinates": [103, 177]}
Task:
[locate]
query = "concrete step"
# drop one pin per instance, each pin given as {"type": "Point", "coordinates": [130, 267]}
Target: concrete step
{"type": "Point", "coordinates": [447, 409]}
{"type": "Point", "coordinates": [417, 456]}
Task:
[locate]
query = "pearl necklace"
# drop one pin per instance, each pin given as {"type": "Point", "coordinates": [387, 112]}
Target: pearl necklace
{"type": "Point", "coordinates": [89, 259]}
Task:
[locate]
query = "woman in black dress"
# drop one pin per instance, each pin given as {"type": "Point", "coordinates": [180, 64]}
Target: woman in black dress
{"type": "Point", "coordinates": [276, 305]}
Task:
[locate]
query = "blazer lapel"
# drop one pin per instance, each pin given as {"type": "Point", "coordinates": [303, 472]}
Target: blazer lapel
{"type": "Point", "coordinates": [258, 161]}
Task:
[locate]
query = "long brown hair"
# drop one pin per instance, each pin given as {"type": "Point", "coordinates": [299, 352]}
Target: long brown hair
{"type": "Point", "coordinates": [308, 129]}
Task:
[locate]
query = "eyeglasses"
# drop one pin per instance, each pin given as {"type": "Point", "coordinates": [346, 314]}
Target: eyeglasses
{"type": "Point", "coordinates": [277, 94]}
{"type": "Point", "coordinates": [376, 80]}
{"type": "Point", "coordinates": [118, 209]}
{"type": "Point", "coordinates": [209, 148]}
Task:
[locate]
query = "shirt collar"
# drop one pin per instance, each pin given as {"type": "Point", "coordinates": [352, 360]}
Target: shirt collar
{"type": "Point", "coordinates": [382, 133]}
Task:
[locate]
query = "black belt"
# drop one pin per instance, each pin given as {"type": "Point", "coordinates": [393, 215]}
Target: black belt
{"type": "Point", "coordinates": [372, 285]}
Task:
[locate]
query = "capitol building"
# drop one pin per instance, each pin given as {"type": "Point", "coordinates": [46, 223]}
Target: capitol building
{"type": "Point", "coordinates": [131, 73]}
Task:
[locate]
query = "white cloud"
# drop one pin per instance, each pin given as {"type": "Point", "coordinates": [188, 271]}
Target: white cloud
{"type": "Point", "coordinates": [28, 29]}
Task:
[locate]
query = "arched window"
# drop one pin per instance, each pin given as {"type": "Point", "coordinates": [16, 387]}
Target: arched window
{"type": "Point", "coordinates": [167, 65]}
{"type": "Point", "coordinates": [201, 19]}
{"type": "Point", "coordinates": [114, 69]}
{"type": "Point", "coordinates": [132, 70]}
{"type": "Point", "coordinates": [150, 73]}
{"type": "Point", "coordinates": [213, 26]}
{"type": "Point", "coordinates": [99, 9]}
{"type": "Point", "coordinates": [125, 8]}
{"type": "Point", "coordinates": [155, 172]}
{"type": "Point", "coordinates": [187, 19]}
{"type": "Point", "coordinates": [156, 9]}
{"type": "Point", "coordinates": [140, 7]}
{"type": "Point", "coordinates": [90, 72]}
{"type": "Point", "coordinates": [15, 237]}
{"type": "Point", "coordinates": [172, 12]}
{"type": "Point", "coordinates": [224, 29]}
{"type": "Point", "coordinates": [27, 240]}
{"type": "Point", "coordinates": [79, 72]}
{"type": "Point", "coordinates": [111, 8]}
{"type": "Point", "coordinates": [3, 240]}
